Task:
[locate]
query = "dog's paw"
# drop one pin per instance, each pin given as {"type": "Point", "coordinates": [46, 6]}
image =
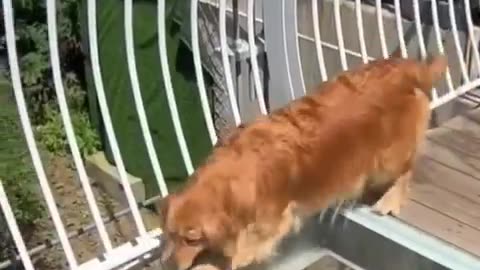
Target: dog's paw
{"type": "Point", "coordinates": [388, 205]}
{"type": "Point", "coordinates": [393, 200]}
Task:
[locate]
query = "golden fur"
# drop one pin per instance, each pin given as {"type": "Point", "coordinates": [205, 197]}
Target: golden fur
{"type": "Point", "coordinates": [356, 132]}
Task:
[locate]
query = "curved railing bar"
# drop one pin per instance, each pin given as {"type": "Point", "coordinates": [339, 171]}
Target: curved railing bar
{"type": "Point", "coordinates": [253, 56]}
{"type": "Point", "coordinates": [285, 49]}
{"type": "Point", "coordinates": [172, 104]}
{"type": "Point", "coordinates": [334, 47]}
{"type": "Point", "coordinates": [381, 30]}
{"type": "Point", "coordinates": [29, 137]}
{"type": "Point", "coordinates": [318, 43]}
{"type": "Point", "coordinates": [361, 33]}
{"type": "Point", "coordinates": [14, 230]}
{"type": "Point", "coordinates": [339, 30]}
{"type": "Point", "coordinates": [399, 23]}
{"type": "Point", "coordinates": [67, 122]}
{"type": "Point", "coordinates": [456, 40]}
{"type": "Point", "coordinates": [421, 39]}
{"type": "Point", "coordinates": [441, 49]}
{"type": "Point", "coordinates": [418, 27]}
{"type": "Point", "coordinates": [97, 79]}
{"type": "Point", "coordinates": [453, 94]}
{"type": "Point", "coordinates": [226, 63]}
{"type": "Point", "coordinates": [438, 37]}
{"type": "Point", "coordinates": [471, 34]}
{"type": "Point", "coordinates": [197, 61]}
{"type": "Point", "coordinates": [297, 46]}
{"type": "Point", "coordinates": [137, 97]}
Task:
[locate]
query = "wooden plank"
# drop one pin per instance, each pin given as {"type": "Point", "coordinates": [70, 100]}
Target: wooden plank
{"type": "Point", "coordinates": [441, 226]}
{"type": "Point", "coordinates": [447, 203]}
{"type": "Point", "coordinates": [461, 134]}
{"type": "Point", "coordinates": [469, 123]}
{"type": "Point", "coordinates": [457, 143]}
{"type": "Point", "coordinates": [431, 172]}
{"type": "Point", "coordinates": [451, 158]}
{"type": "Point", "coordinates": [473, 115]}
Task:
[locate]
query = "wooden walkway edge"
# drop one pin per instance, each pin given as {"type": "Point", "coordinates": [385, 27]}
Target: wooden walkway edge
{"type": "Point", "coordinates": [445, 195]}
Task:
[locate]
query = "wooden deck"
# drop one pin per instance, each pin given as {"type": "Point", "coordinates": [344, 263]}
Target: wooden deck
{"type": "Point", "coordinates": [445, 194]}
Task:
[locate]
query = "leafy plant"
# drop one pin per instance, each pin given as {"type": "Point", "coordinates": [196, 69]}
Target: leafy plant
{"type": "Point", "coordinates": [52, 134]}
{"type": "Point", "coordinates": [36, 74]}
{"type": "Point", "coordinates": [53, 137]}
{"type": "Point", "coordinates": [16, 170]}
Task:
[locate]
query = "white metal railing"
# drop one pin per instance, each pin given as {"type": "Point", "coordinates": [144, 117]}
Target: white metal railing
{"type": "Point", "coordinates": [198, 71]}
{"type": "Point", "coordinates": [53, 43]}
{"type": "Point", "coordinates": [287, 76]}
{"type": "Point", "coordinates": [137, 96]}
{"type": "Point", "coordinates": [467, 82]}
{"type": "Point", "coordinates": [97, 76]}
{"type": "Point", "coordinates": [27, 128]}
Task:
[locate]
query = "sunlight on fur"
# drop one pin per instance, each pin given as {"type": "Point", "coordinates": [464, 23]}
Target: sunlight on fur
{"type": "Point", "coordinates": [355, 134]}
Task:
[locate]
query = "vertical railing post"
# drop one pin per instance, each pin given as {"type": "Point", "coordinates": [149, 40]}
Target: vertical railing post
{"type": "Point", "coordinates": [286, 81]}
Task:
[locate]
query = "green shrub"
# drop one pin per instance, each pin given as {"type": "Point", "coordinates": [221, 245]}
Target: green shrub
{"type": "Point", "coordinates": [53, 137]}
{"type": "Point", "coordinates": [51, 132]}
{"type": "Point", "coordinates": [16, 170]}
{"type": "Point", "coordinates": [36, 74]}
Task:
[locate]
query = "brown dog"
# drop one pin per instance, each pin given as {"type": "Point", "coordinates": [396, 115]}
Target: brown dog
{"type": "Point", "coordinates": [356, 132]}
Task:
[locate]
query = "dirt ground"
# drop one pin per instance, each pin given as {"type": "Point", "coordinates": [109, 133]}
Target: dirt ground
{"type": "Point", "coordinates": [75, 214]}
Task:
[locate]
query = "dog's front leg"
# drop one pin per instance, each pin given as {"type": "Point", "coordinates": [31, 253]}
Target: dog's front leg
{"type": "Point", "coordinates": [395, 197]}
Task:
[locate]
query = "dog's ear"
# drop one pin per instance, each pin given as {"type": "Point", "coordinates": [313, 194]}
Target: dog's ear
{"type": "Point", "coordinates": [162, 207]}
{"type": "Point", "coordinates": [167, 245]}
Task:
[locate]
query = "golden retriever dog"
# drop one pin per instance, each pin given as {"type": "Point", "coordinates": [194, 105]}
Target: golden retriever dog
{"type": "Point", "coordinates": [356, 132]}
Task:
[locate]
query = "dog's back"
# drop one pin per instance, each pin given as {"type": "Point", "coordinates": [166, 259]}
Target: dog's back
{"type": "Point", "coordinates": [358, 131]}
{"type": "Point", "coordinates": [363, 124]}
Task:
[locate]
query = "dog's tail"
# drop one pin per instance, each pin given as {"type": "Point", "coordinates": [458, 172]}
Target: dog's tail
{"type": "Point", "coordinates": [428, 72]}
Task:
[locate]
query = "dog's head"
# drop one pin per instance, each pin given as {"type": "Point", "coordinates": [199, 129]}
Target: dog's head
{"type": "Point", "coordinates": [192, 223]}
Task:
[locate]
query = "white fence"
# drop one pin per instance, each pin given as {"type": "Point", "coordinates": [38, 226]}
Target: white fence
{"type": "Point", "coordinates": [281, 41]}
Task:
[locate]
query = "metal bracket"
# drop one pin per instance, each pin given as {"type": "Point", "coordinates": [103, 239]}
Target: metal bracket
{"type": "Point", "coordinates": [241, 49]}
{"type": "Point", "coordinates": [126, 254]}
